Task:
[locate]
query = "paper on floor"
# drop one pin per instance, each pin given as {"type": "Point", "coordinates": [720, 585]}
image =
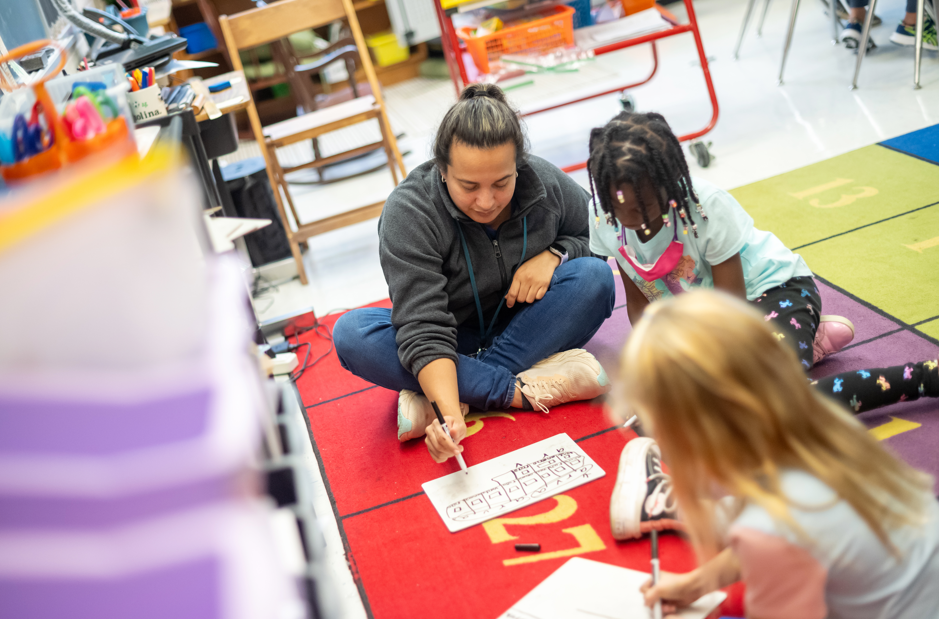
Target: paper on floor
{"type": "Point", "coordinates": [511, 481]}
{"type": "Point", "coordinates": [584, 589]}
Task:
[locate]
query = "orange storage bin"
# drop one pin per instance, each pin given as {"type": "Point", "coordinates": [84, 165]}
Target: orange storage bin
{"type": "Point", "coordinates": [634, 6]}
{"type": "Point", "coordinates": [554, 29]}
{"type": "Point", "coordinates": [63, 150]}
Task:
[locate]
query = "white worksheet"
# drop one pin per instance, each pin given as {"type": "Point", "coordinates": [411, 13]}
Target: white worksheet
{"type": "Point", "coordinates": [504, 484]}
{"type": "Point", "coordinates": [584, 589]}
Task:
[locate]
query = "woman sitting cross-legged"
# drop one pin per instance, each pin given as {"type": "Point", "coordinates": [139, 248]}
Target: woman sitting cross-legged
{"type": "Point", "coordinates": [493, 287]}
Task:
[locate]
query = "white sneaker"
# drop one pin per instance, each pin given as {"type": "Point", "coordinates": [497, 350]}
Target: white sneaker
{"type": "Point", "coordinates": [567, 376]}
{"type": "Point", "coordinates": [642, 498]}
{"type": "Point", "coordinates": [415, 413]}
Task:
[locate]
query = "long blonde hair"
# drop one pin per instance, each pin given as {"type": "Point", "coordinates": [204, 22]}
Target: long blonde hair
{"type": "Point", "coordinates": [730, 407]}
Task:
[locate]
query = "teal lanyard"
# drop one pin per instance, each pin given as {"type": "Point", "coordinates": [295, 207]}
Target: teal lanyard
{"type": "Point", "coordinates": [483, 331]}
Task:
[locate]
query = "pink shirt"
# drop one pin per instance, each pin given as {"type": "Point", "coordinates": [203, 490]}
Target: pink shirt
{"type": "Point", "coordinates": [844, 572]}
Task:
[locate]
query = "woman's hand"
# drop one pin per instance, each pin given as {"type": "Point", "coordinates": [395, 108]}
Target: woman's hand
{"type": "Point", "coordinates": [440, 446]}
{"type": "Point", "coordinates": [532, 279]}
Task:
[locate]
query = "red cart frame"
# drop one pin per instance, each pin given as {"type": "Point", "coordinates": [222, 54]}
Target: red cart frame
{"type": "Point", "coordinates": [454, 57]}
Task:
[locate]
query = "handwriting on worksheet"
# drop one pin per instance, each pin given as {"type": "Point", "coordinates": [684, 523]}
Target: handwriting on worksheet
{"type": "Point", "coordinates": [511, 481]}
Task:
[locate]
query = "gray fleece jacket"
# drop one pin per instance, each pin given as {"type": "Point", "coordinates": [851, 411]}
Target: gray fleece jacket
{"type": "Point", "coordinates": [425, 267]}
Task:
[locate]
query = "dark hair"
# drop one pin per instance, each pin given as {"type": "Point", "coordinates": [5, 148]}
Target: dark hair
{"type": "Point", "coordinates": [482, 118]}
{"type": "Point", "coordinates": [633, 146]}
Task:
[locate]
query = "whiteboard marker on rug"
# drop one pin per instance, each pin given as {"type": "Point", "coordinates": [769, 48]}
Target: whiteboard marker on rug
{"type": "Point", "coordinates": [446, 431]}
{"type": "Point", "coordinates": [657, 609]}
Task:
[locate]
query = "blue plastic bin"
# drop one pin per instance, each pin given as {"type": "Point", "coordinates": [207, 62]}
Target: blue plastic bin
{"type": "Point", "coordinates": [199, 38]}
{"type": "Point", "coordinates": [582, 17]}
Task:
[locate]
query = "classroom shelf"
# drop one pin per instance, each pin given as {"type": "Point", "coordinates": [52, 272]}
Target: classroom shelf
{"type": "Point", "coordinates": [208, 53]}
{"type": "Point", "coordinates": [365, 4]}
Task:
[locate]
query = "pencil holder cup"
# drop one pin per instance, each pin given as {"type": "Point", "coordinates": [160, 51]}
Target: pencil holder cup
{"type": "Point", "coordinates": [146, 104]}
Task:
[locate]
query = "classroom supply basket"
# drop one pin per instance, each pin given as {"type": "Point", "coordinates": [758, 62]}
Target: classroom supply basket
{"type": "Point", "coordinates": [385, 49]}
{"type": "Point", "coordinates": [555, 28]}
{"type": "Point", "coordinates": [43, 97]}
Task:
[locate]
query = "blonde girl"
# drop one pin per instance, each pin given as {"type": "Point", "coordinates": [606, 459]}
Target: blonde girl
{"type": "Point", "coordinates": [827, 524]}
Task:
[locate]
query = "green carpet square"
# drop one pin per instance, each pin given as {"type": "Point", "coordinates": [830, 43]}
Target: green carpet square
{"type": "Point", "coordinates": [839, 194]}
{"type": "Point", "coordinates": [892, 265]}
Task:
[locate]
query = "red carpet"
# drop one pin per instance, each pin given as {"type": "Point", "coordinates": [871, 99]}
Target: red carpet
{"type": "Point", "coordinates": [404, 560]}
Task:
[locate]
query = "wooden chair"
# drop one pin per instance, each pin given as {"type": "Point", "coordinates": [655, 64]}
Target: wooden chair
{"type": "Point", "coordinates": [276, 21]}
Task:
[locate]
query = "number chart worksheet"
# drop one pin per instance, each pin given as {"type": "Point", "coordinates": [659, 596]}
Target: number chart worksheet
{"type": "Point", "coordinates": [510, 482]}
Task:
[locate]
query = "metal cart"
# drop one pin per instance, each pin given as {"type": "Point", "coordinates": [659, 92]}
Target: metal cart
{"type": "Point", "coordinates": [454, 56]}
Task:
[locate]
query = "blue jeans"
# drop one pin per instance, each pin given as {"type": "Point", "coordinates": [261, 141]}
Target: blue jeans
{"type": "Point", "coordinates": [579, 299]}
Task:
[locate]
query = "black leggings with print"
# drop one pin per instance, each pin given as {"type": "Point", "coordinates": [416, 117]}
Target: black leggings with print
{"type": "Point", "coordinates": [793, 310]}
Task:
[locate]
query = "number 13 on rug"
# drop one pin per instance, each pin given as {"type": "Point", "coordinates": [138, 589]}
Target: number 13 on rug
{"type": "Point", "coordinates": [510, 482]}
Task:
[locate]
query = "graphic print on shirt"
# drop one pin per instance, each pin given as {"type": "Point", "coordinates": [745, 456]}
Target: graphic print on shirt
{"type": "Point", "coordinates": [684, 271]}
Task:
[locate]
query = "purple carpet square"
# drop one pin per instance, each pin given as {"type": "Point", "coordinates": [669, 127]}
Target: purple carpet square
{"type": "Point", "coordinates": [607, 343]}
{"type": "Point", "coordinates": [867, 323]}
{"type": "Point", "coordinates": [917, 447]}
{"type": "Point", "coordinates": [901, 347]}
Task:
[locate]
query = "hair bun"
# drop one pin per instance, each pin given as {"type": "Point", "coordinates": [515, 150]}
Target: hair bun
{"type": "Point", "coordinates": [490, 91]}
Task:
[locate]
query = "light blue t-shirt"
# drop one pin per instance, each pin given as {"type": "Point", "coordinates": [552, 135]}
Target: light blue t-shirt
{"type": "Point", "coordinates": [766, 262]}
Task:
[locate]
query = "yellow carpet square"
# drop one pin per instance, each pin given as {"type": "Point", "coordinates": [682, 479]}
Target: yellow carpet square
{"type": "Point", "coordinates": [839, 194]}
{"type": "Point", "coordinates": [930, 328]}
{"type": "Point", "coordinates": [893, 265]}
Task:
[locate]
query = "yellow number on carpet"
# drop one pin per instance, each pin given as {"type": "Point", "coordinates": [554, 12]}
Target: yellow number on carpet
{"type": "Point", "coordinates": [477, 420]}
{"type": "Point", "coordinates": [565, 508]}
{"type": "Point", "coordinates": [846, 198]}
{"type": "Point", "coordinates": [893, 427]}
{"type": "Point", "coordinates": [923, 245]}
{"type": "Point", "coordinates": [587, 541]}
{"type": "Point", "coordinates": [838, 182]}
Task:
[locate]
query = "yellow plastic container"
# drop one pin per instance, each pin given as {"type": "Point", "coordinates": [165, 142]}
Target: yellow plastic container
{"type": "Point", "coordinates": [385, 49]}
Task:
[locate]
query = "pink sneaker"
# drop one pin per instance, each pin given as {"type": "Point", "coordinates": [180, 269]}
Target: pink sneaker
{"type": "Point", "coordinates": [834, 333]}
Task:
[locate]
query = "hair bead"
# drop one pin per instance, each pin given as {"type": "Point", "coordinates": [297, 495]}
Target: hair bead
{"type": "Point", "coordinates": [619, 196]}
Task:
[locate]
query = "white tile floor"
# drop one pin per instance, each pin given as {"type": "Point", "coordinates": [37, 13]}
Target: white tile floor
{"type": "Point", "coordinates": [764, 130]}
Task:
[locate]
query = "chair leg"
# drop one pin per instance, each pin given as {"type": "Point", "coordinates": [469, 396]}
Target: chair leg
{"type": "Point", "coordinates": [298, 258]}
{"type": "Point", "coordinates": [393, 143]}
{"type": "Point", "coordinates": [282, 184]}
{"type": "Point", "coordinates": [387, 146]}
{"type": "Point", "coordinates": [743, 27]}
{"type": "Point", "coordinates": [833, 9]}
{"type": "Point", "coordinates": [792, 26]}
{"type": "Point", "coordinates": [920, 22]}
{"type": "Point", "coordinates": [862, 46]}
{"type": "Point", "coordinates": [759, 28]}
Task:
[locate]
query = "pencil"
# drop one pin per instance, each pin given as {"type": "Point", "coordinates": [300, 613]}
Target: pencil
{"type": "Point", "coordinates": [446, 430]}
{"type": "Point", "coordinates": [657, 609]}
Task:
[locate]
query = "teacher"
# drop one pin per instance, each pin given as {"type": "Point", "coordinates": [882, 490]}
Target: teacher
{"type": "Point", "coordinates": [493, 287]}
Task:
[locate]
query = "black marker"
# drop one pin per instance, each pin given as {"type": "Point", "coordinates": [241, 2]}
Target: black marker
{"type": "Point", "coordinates": [446, 431]}
{"type": "Point", "coordinates": [528, 547]}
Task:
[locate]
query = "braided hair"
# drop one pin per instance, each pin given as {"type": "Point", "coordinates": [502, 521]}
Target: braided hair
{"type": "Point", "coordinates": [631, 147]}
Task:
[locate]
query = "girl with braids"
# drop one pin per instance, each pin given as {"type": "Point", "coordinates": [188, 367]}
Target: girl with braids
{"type": "Point", "coordinates": [494, 290]}
{"type": "Point", "coordinates": [658, 222]}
